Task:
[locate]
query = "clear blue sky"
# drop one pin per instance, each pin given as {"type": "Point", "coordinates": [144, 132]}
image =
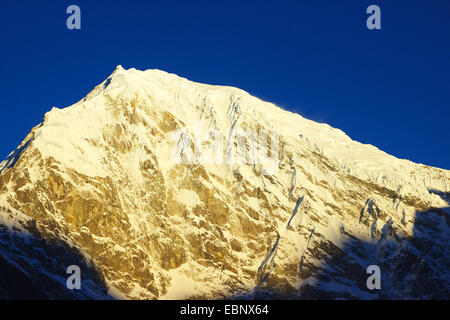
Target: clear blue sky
{"type": "Point", "coordinates": [388, 87]}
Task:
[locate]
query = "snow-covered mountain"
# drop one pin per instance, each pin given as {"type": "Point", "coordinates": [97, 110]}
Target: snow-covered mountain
{"type": "Point", "coordinates": [121, 185]}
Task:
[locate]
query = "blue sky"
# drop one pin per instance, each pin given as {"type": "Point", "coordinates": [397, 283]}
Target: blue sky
{"type": "Point", "coordinates": [388, 87]}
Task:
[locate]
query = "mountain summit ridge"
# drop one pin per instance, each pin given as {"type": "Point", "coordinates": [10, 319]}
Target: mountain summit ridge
{"type": "Point", "coordinates": [100, 176]}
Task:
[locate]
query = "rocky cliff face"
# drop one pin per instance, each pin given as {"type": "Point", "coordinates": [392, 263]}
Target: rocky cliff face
{"type": "Point", "coordinates": [151, 186]}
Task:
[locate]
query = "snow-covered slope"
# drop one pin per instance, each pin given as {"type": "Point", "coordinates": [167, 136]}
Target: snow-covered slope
{"type": "Point", "coordinates": [115, 178]}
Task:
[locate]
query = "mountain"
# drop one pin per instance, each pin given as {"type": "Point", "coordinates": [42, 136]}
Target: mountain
{"type": "Point", "coordinates": [158, 187]}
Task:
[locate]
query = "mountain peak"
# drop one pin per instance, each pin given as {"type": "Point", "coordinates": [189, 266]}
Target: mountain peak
{"type": "Point", "coordinates": [156, 180]}
{"type": "Point", "coordinates": [119, 68]}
